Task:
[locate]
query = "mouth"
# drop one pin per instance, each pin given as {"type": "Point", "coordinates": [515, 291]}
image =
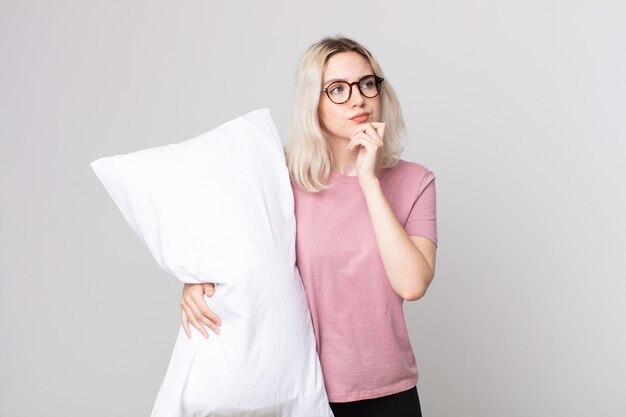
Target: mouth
{"type": "Point", "coordinates": [361, 117]}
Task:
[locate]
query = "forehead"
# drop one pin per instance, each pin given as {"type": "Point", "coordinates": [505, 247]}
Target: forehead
{"type": "Point", "coordinates": [346, 66]}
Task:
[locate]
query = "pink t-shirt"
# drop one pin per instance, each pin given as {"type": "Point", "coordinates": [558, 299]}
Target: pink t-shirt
{"type": "Point", "coordinates": [361, 335]}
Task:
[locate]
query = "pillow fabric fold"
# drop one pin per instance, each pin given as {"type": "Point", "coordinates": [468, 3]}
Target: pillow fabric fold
{"type": "Point", "coordinates": [219, 208]}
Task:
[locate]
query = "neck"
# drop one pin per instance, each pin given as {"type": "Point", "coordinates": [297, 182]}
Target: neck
{"type": "Point", "coordinates": [344, 161]}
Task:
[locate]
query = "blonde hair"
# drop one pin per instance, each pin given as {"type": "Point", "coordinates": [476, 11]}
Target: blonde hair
{"type": "Point", "coordinates": [308, 155]}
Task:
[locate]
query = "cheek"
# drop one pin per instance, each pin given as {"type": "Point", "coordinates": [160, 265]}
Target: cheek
{"type": "Point", "coordinates": [322, 113]}
{"type": "Point", "coordinates": [377, 111]}
{"type": "Point", "coordinates": [327, 117]}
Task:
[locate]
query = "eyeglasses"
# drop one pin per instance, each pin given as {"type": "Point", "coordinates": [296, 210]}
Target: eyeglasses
{"type": "Point", "coordinates": [340, 91]}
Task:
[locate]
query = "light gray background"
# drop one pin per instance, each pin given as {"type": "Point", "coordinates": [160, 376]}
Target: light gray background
{"type": "Point", "coordinates": [517, 106]}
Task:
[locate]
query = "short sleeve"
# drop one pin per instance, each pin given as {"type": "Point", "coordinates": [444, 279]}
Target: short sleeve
{"type": "Point", "coordinates": [422, 219]}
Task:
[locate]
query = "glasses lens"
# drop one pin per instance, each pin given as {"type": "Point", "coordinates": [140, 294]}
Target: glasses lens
{"type": "Point", "coordinates": [369, 86]}
{"type": "Point", "coordinates": [338, 91]}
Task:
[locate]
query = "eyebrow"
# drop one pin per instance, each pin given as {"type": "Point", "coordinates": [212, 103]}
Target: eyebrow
{"type": "Point", "coordinates": [339, 79]}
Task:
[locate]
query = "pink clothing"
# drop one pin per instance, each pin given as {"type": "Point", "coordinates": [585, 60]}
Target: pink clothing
{"type": "Point", "coordinates": [361, 335]}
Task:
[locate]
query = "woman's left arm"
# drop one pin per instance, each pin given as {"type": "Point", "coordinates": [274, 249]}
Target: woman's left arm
{"type": "Point", "coordinates": [409, 261]}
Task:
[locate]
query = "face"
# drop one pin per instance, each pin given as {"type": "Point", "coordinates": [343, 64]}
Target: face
{"type": "Point", "coordinates": [338, 120]}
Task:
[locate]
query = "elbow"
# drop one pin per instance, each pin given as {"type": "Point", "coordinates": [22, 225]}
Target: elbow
{"type": "Point", "coordinates": [417, 290]}
{"type": "Point", "coordinates": [413, 294]}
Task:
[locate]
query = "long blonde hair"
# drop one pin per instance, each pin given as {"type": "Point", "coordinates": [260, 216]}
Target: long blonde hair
{"type": "Point", "coordinates": [308, 155]}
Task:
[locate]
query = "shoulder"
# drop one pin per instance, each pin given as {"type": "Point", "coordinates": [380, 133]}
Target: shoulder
{"type": "Point", "coordinates": [412, 171]}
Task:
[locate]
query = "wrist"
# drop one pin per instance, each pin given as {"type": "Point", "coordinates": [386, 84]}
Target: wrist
{"type": "Point", "coordinates": [368, 184]}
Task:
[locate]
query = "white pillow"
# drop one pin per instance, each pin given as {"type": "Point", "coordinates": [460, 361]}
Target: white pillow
{"type": "Point", "coordinates": [219, 208]}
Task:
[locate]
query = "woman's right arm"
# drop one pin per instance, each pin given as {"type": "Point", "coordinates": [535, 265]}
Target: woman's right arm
{"type": "Point", "coordinates": [195, 310]}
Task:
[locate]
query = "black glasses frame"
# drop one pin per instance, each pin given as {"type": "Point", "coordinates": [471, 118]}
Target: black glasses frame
{"type": "Point", "coordinates": [378, 79]}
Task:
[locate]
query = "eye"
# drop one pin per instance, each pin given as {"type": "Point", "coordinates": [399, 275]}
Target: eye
{"type": "Point", "coordinates": [368, 84]}
{"type": "Point", "coordinates": [336, 89]}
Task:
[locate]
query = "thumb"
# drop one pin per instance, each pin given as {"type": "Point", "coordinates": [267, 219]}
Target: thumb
{"type": "Point", "coordinates": [209, 288]}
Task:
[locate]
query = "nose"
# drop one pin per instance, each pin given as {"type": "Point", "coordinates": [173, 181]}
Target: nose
{"type": "Point", "coordinates": [356, 97]}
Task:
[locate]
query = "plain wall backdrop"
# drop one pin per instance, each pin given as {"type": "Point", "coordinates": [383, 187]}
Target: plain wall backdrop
{"type": "Point", "coordinates": [519, 108]}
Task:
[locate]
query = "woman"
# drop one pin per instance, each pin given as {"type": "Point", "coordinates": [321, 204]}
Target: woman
{"type": "Point", "coordinates": [366, 230]}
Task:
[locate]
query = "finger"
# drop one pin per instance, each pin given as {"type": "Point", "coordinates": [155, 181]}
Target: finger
{"type": "Point", "coordinates": [380, 128]}
{"type": "Point", "coordinates": [202, 305]}
{"type": "Point", "coordinates": [208, 313]}
{"type": "Point", "coordinates": [194, 322]}
{"type": "Point", "coordinates": [373, 134]}
{"type": "Point", "coordinates": [360, 129]}
{"type": "Point", "coordinates": [367, 141]}
{"type": "Point", "coordinates": [372, 126]}
{"type": "Point", "coordinates": [371, 139]}
{"type": "Point", "coordinates": [185, 322]}
{"type": "Point", "coordinates": [209, 316]}
{"type": "Point", "coordinates": [368, 130]}
{"type": "Point", "coordinates": [356, 141]}
{"type": "Point", "coordinates": [372, 131]}
{"type": "Point", "coordinates": [355, 138]}
{"type": "Point", "coordinates": [209, 288]}
{"type": "Point", "coordinates": [205, 315]}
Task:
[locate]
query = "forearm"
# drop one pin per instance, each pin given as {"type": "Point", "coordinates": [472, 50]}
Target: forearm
{"type": "Point", "coordinates": [406, 267]}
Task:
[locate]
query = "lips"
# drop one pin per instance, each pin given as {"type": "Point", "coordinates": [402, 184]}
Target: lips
{"type": "Point", "coordinates": [361, 117]}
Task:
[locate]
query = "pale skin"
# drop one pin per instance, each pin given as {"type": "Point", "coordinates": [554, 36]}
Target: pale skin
{"type": "Point", "coordinates": [409, 261]}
